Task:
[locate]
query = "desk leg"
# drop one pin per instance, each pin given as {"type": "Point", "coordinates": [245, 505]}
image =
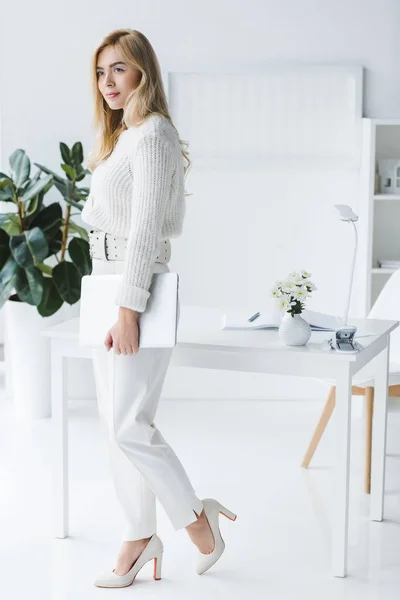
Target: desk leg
{"type": "Point", "coordinates": [59, 403]}
{"type": "Point", "coordinates": [342, 420]}
{"type": "Point", "coordinates": [379, 427]}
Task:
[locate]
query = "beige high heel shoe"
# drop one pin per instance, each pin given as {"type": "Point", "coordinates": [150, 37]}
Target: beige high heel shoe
{"type": "Point", "coordinates": [212, 508]}
{"type": "Point", "coordinates": [153, 550]}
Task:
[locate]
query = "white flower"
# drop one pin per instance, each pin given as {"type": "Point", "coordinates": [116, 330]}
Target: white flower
{"type": "Point", "coordinates": [288, 286]}
{"type": "Point", "coordinates": [305, 274]}
{"type": "Point", "coordinates": [298, 280]}
{"type": "Point", "coordinates": [301, 293]}
{"type": "Point", "coordinates": [276, 293]}
{"type": "Point", "coordinates": [293, 290]}
{"type": "Point", "coordinates": [284, 304]}
{"type": "Point", "coordinates": [277, 285]}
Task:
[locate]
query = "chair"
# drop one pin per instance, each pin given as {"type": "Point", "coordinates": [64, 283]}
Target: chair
{"type": "Point", "coordinates": [387, 306]}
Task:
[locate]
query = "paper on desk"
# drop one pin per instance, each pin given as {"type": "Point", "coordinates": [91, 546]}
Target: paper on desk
{"type": "Point", "coordinates": [271, 320]}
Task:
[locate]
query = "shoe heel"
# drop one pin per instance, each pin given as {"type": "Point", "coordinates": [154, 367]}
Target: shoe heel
{"type": "Point", "coordinates": [227, 513]}
{"type": "Point", "coordinates": [157, 566]}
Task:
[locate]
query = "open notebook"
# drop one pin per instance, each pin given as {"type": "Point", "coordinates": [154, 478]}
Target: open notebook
{"type": "Point", "coordinates": [271, 320]}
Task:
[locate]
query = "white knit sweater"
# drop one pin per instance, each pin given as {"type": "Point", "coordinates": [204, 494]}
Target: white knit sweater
{"type": "Point", "coordinates": [138, 193]}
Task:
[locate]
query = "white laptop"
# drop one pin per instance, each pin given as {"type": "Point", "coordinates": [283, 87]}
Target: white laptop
{"type": "Point", "coordinates": [98, 311]}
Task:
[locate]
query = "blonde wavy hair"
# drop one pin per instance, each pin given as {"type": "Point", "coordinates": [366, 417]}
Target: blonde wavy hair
{"type": "Point", "coordinates": [147, 98]}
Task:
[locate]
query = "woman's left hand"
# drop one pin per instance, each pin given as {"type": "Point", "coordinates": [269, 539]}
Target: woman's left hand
{"type": "Point", "coordinates": [124, 335]}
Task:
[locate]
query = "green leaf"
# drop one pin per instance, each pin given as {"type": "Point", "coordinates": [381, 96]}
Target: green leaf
{"type": "Point", "coordinates": [73, 203]}
{"type": "Point", "coordinates": [21, 190]}
{"type": "Point", "coordinates": [49, 172]}
{"type": "Point", "coordinates": [7, 195]}
{"type": "Point", "coordinates": [62, 187]}
{"type": "Point", "coordinates": [55, 244]}
{"type": "Point", "coordinates": [48, 187]}
{"type": "Point", "coordinates": [5, 292]}
{"type": "Point", "coordinates": [5, 217]}
{"type": "Point", "coordinates": [12, 226]}
{"type": "Point", "coordinates": [28, 184]}
{"type": "Point", "coordinates": [34, 203]}
{"type": "Point", "coordinates": [7, 279]}
{"type": "Point", "coordinates": [6, 182]}
{"type": "Point", "coordinates": [32, 206]}
{"type": "Point", "coordinates": [36, 177]}
{"type": "Point", "coordinates": [79, 253]}
{"type": "Point", "coordinates": [70, 189]}
{"type": "Point", "coordinates": [77, 154]}
{"type": "Point", "coordinates": [21, 167]}
{"type": "Point", "coordinates": [74, 228]}
{"type": "Point", "coordinates": [80, 195]}
{"type": "Point", "coordinates": [45, 268]}
{"type": "Point", "coordinates": [70, 171]}
{"type": "Point", "coordinates": [51, 300]}
{"type": "Point", "coordinates": [49, 220]}
{"type": "Point", "coordinates": [29, 285]}
{"type": "Point", "coordinates": [30, 247]}
{"type": "Point", "coordinates": [66, 153]}
{"type": "Point", "coordinates": [80, 176]}
{"type": "Point", "coordinates": [5, 251]}
{"type": "Point", "coordinates": [68, 281]}
{"type": "Point", "coordinates": [35, 187]}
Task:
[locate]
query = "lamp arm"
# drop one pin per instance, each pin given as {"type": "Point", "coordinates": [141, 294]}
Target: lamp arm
{"type": "Point", "coordinates": [351, 274]}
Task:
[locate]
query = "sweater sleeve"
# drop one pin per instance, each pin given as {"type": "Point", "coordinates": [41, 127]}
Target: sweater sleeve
{"type": "Point", "coordinates": [152, 172]}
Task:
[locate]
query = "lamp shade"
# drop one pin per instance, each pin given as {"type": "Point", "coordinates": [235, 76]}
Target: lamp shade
{"type": "Point", "coordinates": [346, 213]}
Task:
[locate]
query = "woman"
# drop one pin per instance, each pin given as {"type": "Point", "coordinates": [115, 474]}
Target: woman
{"type": "Point", "coordinates": [136, 203]}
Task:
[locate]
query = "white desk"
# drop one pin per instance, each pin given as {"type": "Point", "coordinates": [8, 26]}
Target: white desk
{"type": "Point", "coordinates": [201, 343]}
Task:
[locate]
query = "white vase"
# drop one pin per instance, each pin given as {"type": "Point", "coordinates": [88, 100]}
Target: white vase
{"type": "Point", "coordinates": [294, 331]}
{"type": "Point", "coordinates": [27, 355]}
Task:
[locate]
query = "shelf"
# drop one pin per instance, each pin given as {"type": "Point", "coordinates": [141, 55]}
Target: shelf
{"type": "Point", "coordinates": [386, 197]}
{"type": "Point", "coordinates": [383, 271]}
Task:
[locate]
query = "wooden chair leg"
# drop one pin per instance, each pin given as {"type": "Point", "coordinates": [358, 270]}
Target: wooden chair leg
{"type": "Point", "coordinates": [319, 430]}
{"type": "Point", "coordinates": [394, 391]}
{"type": "Point", "coordinates": [369, 410]}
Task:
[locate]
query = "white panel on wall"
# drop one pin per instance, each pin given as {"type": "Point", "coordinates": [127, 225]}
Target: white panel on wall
{"type": "Point", "coordinates": [248, 118]}
{"type": "Point", "coordinates": [272, 153]}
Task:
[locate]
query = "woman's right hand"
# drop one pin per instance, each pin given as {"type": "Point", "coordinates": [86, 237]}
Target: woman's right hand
{"type": "Point", "coordinates": [124, 334]}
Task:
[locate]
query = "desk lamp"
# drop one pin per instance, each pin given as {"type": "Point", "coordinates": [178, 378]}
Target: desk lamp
{"type": "Point", "coordinates": [344, 336]}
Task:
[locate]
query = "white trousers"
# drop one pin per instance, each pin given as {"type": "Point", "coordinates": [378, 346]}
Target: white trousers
{"type": "Point", "coordinates": [143, 464]}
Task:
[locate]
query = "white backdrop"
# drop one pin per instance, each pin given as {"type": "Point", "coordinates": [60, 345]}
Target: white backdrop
{"type": "Point", "coordinates": [242, 226]}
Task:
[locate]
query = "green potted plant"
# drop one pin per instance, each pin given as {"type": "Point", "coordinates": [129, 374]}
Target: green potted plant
{"type": "Point", "coordinates": [43, 256]}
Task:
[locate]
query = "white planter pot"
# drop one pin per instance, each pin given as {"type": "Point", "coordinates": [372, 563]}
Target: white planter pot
{"type": "Point", "coordinates": [294, 331]}
{"type": "Point", "coordinates": [27, 355]}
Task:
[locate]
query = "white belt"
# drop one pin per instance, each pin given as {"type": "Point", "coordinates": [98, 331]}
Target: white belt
{"type": "Point", "coordinates": [109, 247]}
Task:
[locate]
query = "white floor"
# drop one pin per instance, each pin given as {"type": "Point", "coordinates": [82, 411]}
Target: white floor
{"type": "Point", "coordinates": [246, 454]}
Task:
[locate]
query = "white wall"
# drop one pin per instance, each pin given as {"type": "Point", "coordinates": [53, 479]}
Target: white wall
{"type": "Point", "coordinates": [45, 98]}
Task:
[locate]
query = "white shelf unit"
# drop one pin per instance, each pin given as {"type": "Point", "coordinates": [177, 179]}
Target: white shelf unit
{"type": "Point", "coordinates": [380, 212]}
{"type": "Point", "coordinates": [382, 271]}
{"type": "Point", "coordinates": [389, 197]}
